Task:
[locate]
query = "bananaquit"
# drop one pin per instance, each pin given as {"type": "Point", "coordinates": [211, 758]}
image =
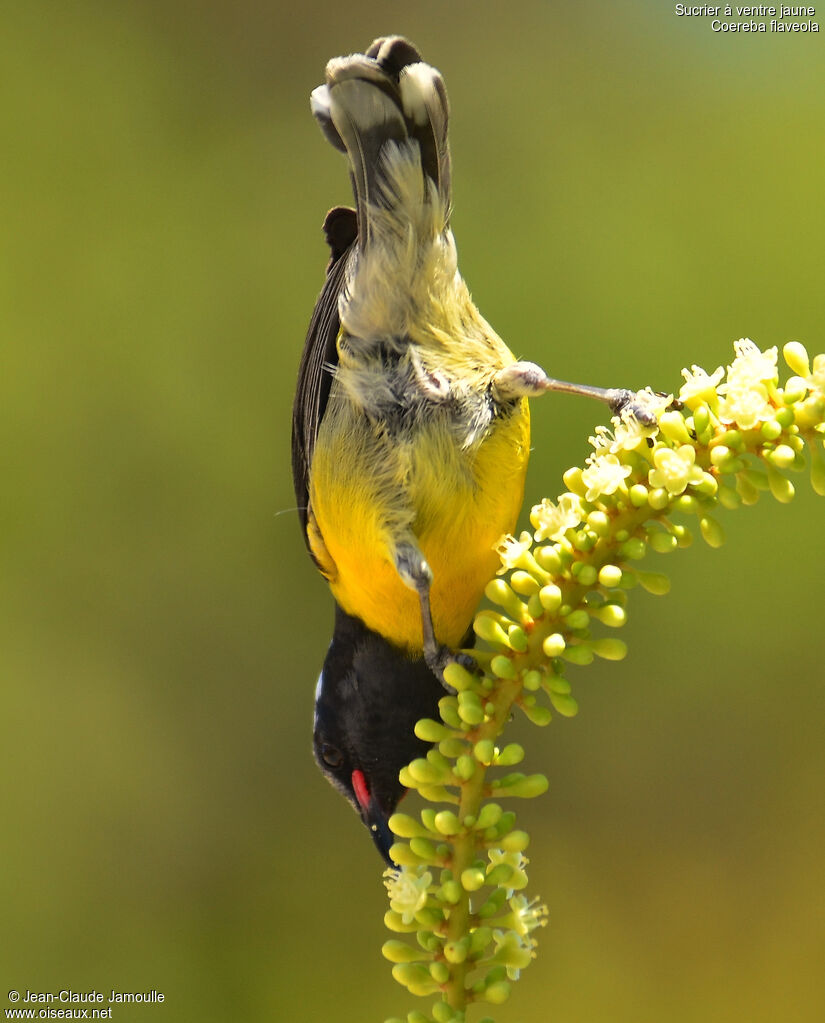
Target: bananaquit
{"type": "Point", "coordinates": [411, 430]}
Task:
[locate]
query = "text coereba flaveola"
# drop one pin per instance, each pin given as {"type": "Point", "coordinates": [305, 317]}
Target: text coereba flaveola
{"type": "Point", "coordinates": [411, 430]}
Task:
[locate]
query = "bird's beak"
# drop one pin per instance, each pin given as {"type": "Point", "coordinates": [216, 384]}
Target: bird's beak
{"type": "Point", "coordinates": [376, 820]}
{"type": "Point", "coordinates": [374, 816]}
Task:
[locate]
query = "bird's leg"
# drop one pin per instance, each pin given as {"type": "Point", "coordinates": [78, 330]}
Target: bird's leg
{"type": "Point", "coordinates": [416, 573]}
{"type": "Point", "coordinates": [527, 380]}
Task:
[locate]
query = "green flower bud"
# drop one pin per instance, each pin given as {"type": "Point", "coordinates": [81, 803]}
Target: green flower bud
{"type": "Point", "coordinates": [599, 522]}
{"type": "Point", "coordinates": [729, 499]}
{"type": "Point", "coordinates": [672, 425]}
{"type": "Point", "coordinates": [781, 488]}
{"type": "Point", "coordinates": [484, 751]}
{"type": "Point", "coordinates": [573, 481]}
{"type": "Point", "coordinates": [470, 709]}
{"type": "Point", "coordinates": [662, 543]}
{"type": "Point", "coordinates": [539, 715]}
{"type": "Point", "coordinates": [654, 582]}
{"type": "Point", "coordinates": [633, 548]}
{"type": "Point", "coordinates": [521, 785]}
{"type": "Point", "coordinates": [782, 456]}
{"type": "Point", "coordinates": [578, 619]}
{"type": "Point", "coordinates": [506, 823]}
{"type": "Point", "coordinates": [610, 649]}
{"type": "Point", "coordinates": [565, 705]}
{"type": "Point", "coordinates": [785, 417]}
{"type": "Point", "coordinates": [452, 748]}
{"type": "Point", "coordinates": [448, 708]}
{"type": "Point", "coordinates": [523, 583]}
{"type": "Point", "coordinates": [611, 615]}
{"type": "Point", "coordinates": [405, 826]}
{"type": "Point", "coordinates": [610, 576]}
{"type": "Point", "coordinates": [429, 917]}
{"type": "Point", "coordinates": [531, 680]}
{"type": "Point", "coordinates": [472, 879]}
{"type": "Point", "coordinates": [586, 575]}
{"type": "Point", "coordinates": [500, 593]}
{"type": "Point", "coordinates": [511, 754]}
{"type": "Point", "coordinates": [440, 972]}
{"type": "Point", "coordinates": [557, 684]}
{"type": "Point", "coordinates": [428, 818]}
{"type": "Point", "coordinates": [480, 938]}
{"type": "Point", "coordinates": [720, 454]}
{"type": "Point", "coordinates": [796, 357]}
{"type": "Point", "coordinates": [417, 1017]}
{"type": "Point", "coordinates": [415, 978]}
{"type": "Point", "coordinates": [424, 849]}
{"type": "Point", "coordinates": [748, 493]}
{"type": "Point", "coordinates": [794, 390]}
{"type": "Point", "coordinates": [447, 823]}
{"type": "Point", "coordinates": [450, 892]}
{"type": "Point", "coordinates": [502, 667]}
{"type": "Point", "coordinates": [400, 952]}
{"type": "Point", "coordinates": [581, 654]}
{"type": "Point", "coordinates": [431, 731]}
{"type": "Point", "coordinates": [712, 532]}
{"type": "Point", "coordinates": [426, 773]}
{"type": "Point", "coordinates": [395, 922]}
{"type": "Point", "coordinates": [404, 856]}
{"type": "Point", "coordinates": [488, 629]}
{"type": "Point", "coordinates": [817, 470]}
{"type": "Point", "coordinates": [702, 423]}
{"type": "Point", "coordinates": [553, 645]}
{"type": "Point", "coordinates": [708, 484]}
{"type": "Point", "coordinates": [465, 767]}
{"type": "Point", "coordinates": [548, 558]}
{"type": "Point", "coordinates": [658, 499]}
{"type": "Point", "coordinates": [489, 816]}
{"type": "Point", "coordinates": [638, 494]}
{"type": "Point", "coordinates": [516, 841]}
{"type": "Point", "coordinates": [456, 951]}
{"type": "Point", "coordinates": [432, 793]}
{"type": "Point", "coordinates": [496, 993]}
{"type": "Point", "coordinates": [771, 429]}
{"type": "Point", "coordinates": [500, 874]}
{"type": "Point", "coordinates": [550, 597]}
{"type": "Point", "coordinates": [457, 676]}
{"type": "Point", "coordinates": [584, 540]}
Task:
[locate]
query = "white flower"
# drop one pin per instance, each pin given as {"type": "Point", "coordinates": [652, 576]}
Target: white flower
{"type": "Point", "coordinates": [407, 889]}
{"type": "Point", "coordinates": [526, 915]}
{"type": "Point", "coordinates": [746, 404]}
{"type": "Point", "coordinates": [551, 520]}
{"type": "Point", "coordinates": [751, 366]}
{"type": "Point", "coordinates": [602, 440]}
{"type": "Point", "coordinates": [604, 475]}
{"type": "Point", "coordinates": [675, 468]}
{"type": "Point", "coordinates": [699, 386]}
{"type": "Point", "coordinates": [511, 550]}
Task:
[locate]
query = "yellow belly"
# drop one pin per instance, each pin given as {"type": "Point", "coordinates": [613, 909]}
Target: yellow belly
{"type": "Point", "coordinates": [455, 503]}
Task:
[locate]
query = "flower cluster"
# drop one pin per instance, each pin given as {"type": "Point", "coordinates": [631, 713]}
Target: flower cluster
{"type": "Point", "coordinates": [726, 438]}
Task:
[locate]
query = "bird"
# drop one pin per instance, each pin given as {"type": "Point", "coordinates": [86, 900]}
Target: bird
{"type": "Point", "coordinates": [410, 429]}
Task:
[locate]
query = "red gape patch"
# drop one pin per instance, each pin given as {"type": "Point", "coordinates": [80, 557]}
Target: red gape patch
{"type": "Point", "coordinates": [359, 785]}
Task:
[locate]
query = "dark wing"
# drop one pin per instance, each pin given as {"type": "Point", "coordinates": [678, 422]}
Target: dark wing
{"type": "Point", "coordinates": [320, 354]}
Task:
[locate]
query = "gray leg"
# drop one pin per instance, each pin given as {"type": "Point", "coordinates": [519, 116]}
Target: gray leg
{"type": "Point", "coordinates": [527, 380]}
{"type": "Point", "coordinates": [416, 573]}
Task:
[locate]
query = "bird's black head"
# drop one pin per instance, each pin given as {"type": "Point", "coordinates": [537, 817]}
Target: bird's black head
{"type": "Point", "coordinates": [369, 696]}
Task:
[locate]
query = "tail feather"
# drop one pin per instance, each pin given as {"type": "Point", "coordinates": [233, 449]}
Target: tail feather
{"type": "Point", "coordinates": [376, 104]}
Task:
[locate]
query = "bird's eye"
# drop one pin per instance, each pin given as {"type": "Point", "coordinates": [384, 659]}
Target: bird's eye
{"type": "Point", "coordinates": [331, 755]}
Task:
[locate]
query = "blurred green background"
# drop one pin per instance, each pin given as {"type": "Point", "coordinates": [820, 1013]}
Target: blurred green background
{"type": "Point", "coordinates": [633, 193]}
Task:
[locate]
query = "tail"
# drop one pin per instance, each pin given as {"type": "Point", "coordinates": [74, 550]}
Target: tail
{"type": "Point", "coordinates": [388, 111]}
